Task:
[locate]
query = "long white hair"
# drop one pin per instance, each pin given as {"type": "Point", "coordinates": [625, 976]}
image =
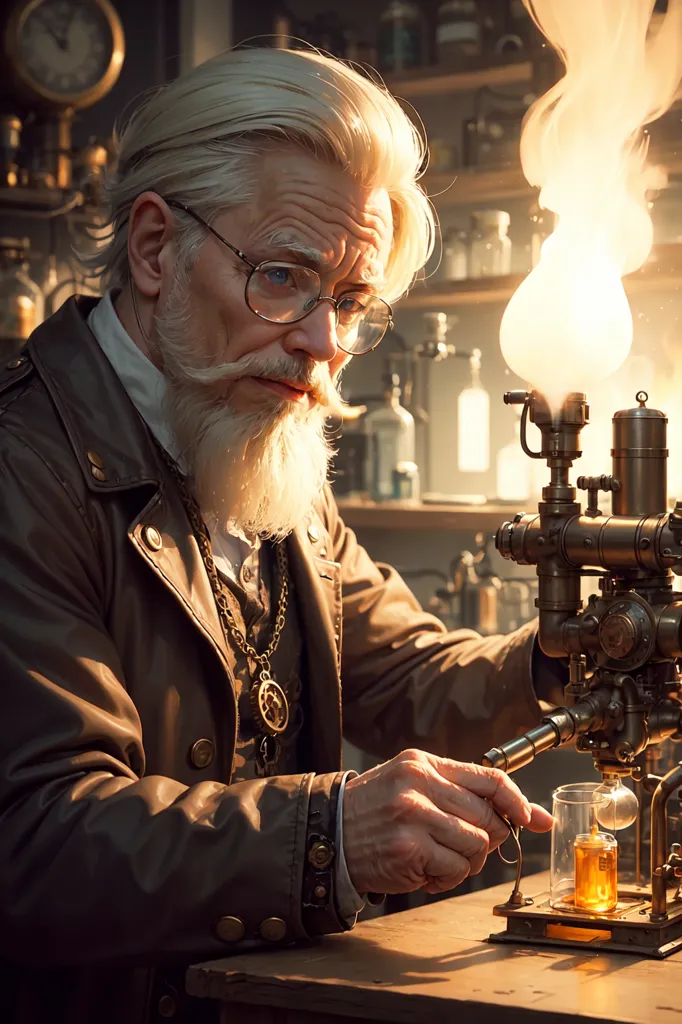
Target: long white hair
{"type": "Point", "coordinates": [197, 140]}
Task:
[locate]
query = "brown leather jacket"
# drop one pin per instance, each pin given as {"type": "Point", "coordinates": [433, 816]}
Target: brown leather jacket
{"type": "Point", "coordinates": [117, 852]}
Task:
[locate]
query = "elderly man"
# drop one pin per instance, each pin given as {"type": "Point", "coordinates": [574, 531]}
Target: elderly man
{"type": "Point", "coordinates": [183, 612]}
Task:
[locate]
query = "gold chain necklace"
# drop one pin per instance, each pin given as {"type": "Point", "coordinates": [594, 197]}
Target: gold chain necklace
{"type": "Point", "coordinates": [268, 700]}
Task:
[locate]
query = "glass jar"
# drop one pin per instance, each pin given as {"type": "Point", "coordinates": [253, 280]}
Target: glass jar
{"type": "Point", "coordinates": [458, 32]}
{"type": "Point", "coordinates": [21, 300]}
{"type": "Point", "coordinates": [584, 861]}
{"type": "Point", "coordinates": [400, 41]}
{"type": "Point", "coordinates": [454, 266]}
{"type": "Point", "coordinates": [489, 244]}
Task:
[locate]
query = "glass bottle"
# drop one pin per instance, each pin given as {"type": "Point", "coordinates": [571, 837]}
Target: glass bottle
{"type": "Point", "coordinates": [454, 266]}
{"type": "Point", "coordinates": [458, 32]}
{"type": "Point", "coordinates": [514, 469]}
{"type": "Point", "coordinates": [490, 246]}
{"type": "Point", "coordinates": [400, 41]}
{"type": "Point", "coordinates": [542, 222]}
{"type": "Point", "coordinates": [473, 422]}
{"type": "Point", "coordinates": [390, 441]}
{"type": "Point", "coordinates": [21, 300]}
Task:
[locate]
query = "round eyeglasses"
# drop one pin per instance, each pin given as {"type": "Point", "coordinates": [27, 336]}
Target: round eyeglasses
{"type": "Point", "coordinates": [284, 293]}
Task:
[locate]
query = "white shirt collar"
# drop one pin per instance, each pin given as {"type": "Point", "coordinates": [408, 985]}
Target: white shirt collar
{"type": "Point", "coordinates": [146, 388]}
{"type": "Point", "coordinates": [145, 385]}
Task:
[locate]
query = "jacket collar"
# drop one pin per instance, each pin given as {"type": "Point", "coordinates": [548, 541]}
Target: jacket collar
{"type": "Point", "coordinates": [89, 399]}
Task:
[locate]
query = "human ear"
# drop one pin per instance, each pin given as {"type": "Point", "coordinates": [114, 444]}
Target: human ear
{"type": "Point", "coordinates": [150, 233]}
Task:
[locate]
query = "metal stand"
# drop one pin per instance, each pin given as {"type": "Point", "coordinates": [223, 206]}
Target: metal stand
{"type": "Point", "coordinates": [644, 922]}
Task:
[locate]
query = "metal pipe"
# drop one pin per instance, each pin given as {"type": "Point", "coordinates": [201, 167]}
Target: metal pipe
{"type": "Point", "coordinates": [659, 841]}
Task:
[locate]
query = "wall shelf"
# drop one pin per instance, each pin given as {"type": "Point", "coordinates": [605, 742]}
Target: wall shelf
{"type": "Point", "coordinates": [432, 82]}
{"type": "Point", "coordinates": [663, 271]}
{"type": "Point", "coordinates": [396, 515]}
{"type": "Point", "coordinates": [468, 186]}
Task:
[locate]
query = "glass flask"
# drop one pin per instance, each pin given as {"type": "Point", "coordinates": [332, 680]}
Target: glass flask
{"type": "Point", "coordinates": [473, 422]}
{"type": "Point", "coordinates": [584, 860]}
{"type": "Point", "coordinates": [390, 441]}
{"type": "Point", "coordinates": [489, 244]}
{"type": "Point", "coordinates": [21, 300]}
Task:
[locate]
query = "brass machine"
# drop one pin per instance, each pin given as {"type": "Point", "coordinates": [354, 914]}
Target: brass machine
{"type": "Point", "coordinates": [623, 650]}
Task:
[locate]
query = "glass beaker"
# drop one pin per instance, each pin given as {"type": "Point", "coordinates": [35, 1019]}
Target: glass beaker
{"type": "Point", "coordinates": [584, 861]}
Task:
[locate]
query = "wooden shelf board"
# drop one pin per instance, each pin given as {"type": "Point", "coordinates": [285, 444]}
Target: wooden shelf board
{"type": "Point", "coordinates": [429, 82]}
{"type": "Point", "coordinates": [403, 516]}
{"type": "Point", "coordinates": [662, 272]}
{"type": "Point", "coordinates": [466, 187]}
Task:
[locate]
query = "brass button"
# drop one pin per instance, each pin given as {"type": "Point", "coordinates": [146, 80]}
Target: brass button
{"type": "Point", "coordinates": [167, 1006]}
{"type": "Point", "coordinates": [230, 929]}
{"type": "Point", "coordinates": [247, 574]}
{"type": "Point", "coordinates": [202, 753]}
{"type": "Point", "coordinates": [273, 929]}
{"type": "Point", "coordinates": [321, 854]}
{"type": "Point", "coordinates": [98, 473]}
{"type": "Point", "coordinates": [313, 534]}
{"type": "Point", "coordinates": [14, 364]}
{"type": "Point", "coordinates": [95, 460]}
{"type": "Point", "coordinates": [152, 538]}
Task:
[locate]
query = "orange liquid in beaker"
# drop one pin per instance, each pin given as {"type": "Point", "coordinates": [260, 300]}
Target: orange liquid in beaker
{"type": "Point", "coordinates": [596, 872]}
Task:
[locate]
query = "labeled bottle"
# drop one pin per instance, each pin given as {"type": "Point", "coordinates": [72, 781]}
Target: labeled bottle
{"type": "Point", "coordinates": [21, 300]}
{"type": "Point", "coordinates": [490, 246]}
{"type": "Point", "coordinates": [400, 41]}
{"type": "Point", "coordinates": [473, 422]}
{"type": "Point", "coordinates": [390, 442]}
{"type": "Point", "coordinates": [596, 872]}
{"type": "Point", "coordinates": [458, 32]}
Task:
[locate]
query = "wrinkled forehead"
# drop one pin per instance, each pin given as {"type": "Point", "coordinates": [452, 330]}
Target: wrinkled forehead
{"type": "Point", "coordinates": [312, 212]}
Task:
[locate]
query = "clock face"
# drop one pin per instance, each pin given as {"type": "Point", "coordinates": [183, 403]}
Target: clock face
{"type": "Point", "coordinates": [65, 49]}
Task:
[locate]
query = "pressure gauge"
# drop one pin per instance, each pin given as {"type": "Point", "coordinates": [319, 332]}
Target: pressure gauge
{"type": "Point", "coordinates": [63, 53]}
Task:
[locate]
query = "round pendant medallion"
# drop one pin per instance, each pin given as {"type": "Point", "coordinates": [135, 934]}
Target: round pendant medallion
{"type": "Point", "coordinates": [270, 706]}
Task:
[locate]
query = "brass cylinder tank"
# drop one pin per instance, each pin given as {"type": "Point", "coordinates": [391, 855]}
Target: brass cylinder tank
{"type": "Point", "coordinates": [640, 460]}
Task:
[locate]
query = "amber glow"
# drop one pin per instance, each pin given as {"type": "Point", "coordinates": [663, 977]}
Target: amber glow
{"type": "Point", "coordinates": [569, 325]}
{"type": "Point", "coordinates": [596, 872]}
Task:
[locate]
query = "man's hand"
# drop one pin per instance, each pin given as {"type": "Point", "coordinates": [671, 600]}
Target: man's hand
{"type": "Point", "coordinates": [424, 822]}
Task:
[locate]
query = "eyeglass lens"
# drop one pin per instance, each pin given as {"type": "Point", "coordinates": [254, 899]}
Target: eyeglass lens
{"type": "Point", "coordinates": [285, 293]}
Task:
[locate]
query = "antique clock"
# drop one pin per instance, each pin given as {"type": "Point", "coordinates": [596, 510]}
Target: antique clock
{"type": "Point", "coordinates": [61, 54]}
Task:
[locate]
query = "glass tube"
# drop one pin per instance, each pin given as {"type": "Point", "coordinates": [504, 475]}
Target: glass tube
{"type": "Point", "coordinates": [584, 861]}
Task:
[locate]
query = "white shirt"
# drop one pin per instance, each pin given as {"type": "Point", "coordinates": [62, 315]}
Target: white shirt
{"type": "Point", "coordinates": [146, 387]}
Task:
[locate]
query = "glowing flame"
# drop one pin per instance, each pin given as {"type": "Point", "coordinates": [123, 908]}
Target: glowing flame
{"type": "Point", "coordinates": [569, 324]}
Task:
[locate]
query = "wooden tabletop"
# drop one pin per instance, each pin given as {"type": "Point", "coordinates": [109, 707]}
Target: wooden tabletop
{"type": "Point", "coordinates": [433, 965]}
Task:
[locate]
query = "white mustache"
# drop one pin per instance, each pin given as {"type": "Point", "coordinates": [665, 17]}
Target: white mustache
{"type": "Point", "coordinates": [306, 372]}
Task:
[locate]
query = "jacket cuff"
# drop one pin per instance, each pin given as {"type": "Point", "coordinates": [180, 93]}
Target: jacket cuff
{"type": "Point", "coordinates": [319, 912]}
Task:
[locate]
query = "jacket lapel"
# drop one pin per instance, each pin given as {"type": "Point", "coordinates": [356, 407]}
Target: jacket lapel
{"type": "Point", "coordinates": [318, 587]}
{"type": "Point", "coordinates": [89, 398]}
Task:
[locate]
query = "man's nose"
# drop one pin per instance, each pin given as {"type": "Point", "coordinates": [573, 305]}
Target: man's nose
{"type": "Point", "coordinates": [315, 335]}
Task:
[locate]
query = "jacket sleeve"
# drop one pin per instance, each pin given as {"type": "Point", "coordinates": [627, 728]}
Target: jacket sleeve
{"type": "Point", "coordinates": [98, 861]}
{"type": "Point", "coordinates": [407, 682]}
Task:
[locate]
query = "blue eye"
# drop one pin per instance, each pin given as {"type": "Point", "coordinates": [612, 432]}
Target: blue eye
{"type": "Point", "coordinates": [279, 276]}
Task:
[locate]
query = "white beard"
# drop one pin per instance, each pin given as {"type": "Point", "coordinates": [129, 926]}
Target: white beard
{"type": "Point", "coordinates": [258, 471]}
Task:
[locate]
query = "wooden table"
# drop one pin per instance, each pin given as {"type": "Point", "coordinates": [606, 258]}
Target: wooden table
{"type": "Point", "coordinates": [432, 965]}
